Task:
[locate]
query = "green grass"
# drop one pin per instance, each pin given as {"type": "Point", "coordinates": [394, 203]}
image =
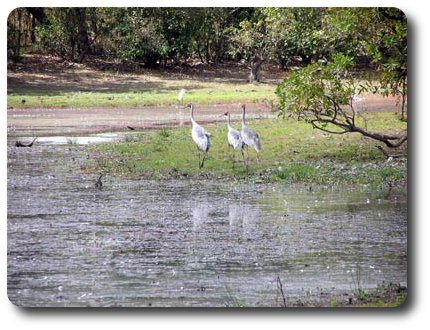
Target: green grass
{"type": "Point", "coordinates": [166, 95]}
{"type": "Point", "coordinates": [291, 152]}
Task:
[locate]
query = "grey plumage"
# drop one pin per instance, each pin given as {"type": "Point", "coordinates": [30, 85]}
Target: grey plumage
{"type": "Point", "coordinates": [249, 136]}
{"type": "Point", "coordinates": [200, 136]}
{"type": "Point", "coordinates": [234, 138]}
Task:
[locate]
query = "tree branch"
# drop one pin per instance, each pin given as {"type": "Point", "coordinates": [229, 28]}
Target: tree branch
{"type": "Point", "coordinates": [392, 141]}
{"type": "Point", "coordinates": [387, 155]}
{"type": "Point", "coordinates": [313, 122]}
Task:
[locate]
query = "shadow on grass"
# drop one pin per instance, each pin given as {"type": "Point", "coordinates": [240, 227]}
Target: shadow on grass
{"type": "Point", "coordinates": [44, 75]}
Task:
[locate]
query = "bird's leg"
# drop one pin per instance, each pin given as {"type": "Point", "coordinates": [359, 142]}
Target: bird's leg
{"type": "Point", "coordinates": [203, 160]}
{"type": "Point", "coordinates": [232, 157]}
{"type": "Point", "coordinates": [244, 160]}
{"type": "Point", "coordinates": [198, 151]}
{"type": "Point", "coordinates": [258, 159]}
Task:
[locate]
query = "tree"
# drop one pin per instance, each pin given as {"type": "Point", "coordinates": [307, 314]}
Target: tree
{"type": "Point", "coordinates": [38, 17]}
{"type": "Point", "coordinates": [322, 93]}
{"type": "Point", "coordinates": [210, 32]}
{"type": "Point", "coordinates": [388, 50]}
{"type": "Point", "coordinates": [250, 42]}
{"type": "Point", "coordinates": [14, 35]}
{"type": "Point", "coordinates": [276, 35]}
{"type": "Point", "coordinates": [19, 27]}
{"type": "Point", "coordinates": [296, 32]}
{"type": "Point", "coordinates": [66, 33]}
{"type": "Point", "coordinates": [133, 34]}
{"type": "Point", "coordinates": [377, 37]}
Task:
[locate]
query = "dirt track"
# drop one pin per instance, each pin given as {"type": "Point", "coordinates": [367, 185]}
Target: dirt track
{"type": "Point", "coordinates": [31, 122]}
{"type": "Point", "coordinates": [55, 121]}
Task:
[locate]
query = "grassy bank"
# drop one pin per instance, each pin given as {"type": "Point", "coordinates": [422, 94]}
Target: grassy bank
{"type": "Point", "coordinates": [210, 93]}
{"type": "Point", "coordinates": [291, 152]}
{"type": "Point", "coordinates": [386, 294]}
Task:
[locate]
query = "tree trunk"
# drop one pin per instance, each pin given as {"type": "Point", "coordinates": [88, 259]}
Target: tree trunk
{"type": "Point", "coordinates": [17, 49]}
{"type": "Point", "coordinates": [37, 17]}
{"type": "Point", "coordinates": [83, 40]}
{"type": "Point", "coordinates": [404, 96]}
{"type": "Point", "coordinates": [255, 75]}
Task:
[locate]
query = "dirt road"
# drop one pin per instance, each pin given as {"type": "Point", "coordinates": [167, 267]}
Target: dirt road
{"type": "Point", "coordinates": [60, 121]}
{"type": "Point", "coordinates": [29, 122]}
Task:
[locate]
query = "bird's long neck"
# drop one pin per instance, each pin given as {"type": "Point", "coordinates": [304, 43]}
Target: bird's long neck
{"type": "Point", "coordinates": [243, 117]}
{"type": "Point", "coordinates": [228, 121]}
{"type": "Point", "coordinates": [192, 115]}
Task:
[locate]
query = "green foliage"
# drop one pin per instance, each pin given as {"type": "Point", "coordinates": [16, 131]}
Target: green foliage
{"type": "Point", "coordinates": [145, 45]}
{"type": "Point", "coordinates": [318, 89]}
{"type": "Point", "coordinates": [377, 36]}
{"type": "Point", "coordinates": [156, 36]}
{"type": "Point", "coordinates": [66, 34]}
{"type": "Point", "coordinates": [322, 92]}
{"type": "Point", "coordinates": [249, 39]}
{"type": "Point", "coordinates": [210, 33]}
{"type": "Point", "coordinates": [296, 32]}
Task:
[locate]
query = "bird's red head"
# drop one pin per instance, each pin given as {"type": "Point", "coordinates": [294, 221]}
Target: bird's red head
{"type": "Point", "coordinates": [226, 113]}
{"type": "Point", "coordinates": [189, 105]}
{"type": "Point", "coordinates": [243, 106]}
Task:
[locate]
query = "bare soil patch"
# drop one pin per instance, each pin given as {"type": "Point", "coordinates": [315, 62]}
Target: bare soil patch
{"type": "Point", "coordinates": [31, 122]}
{"type": "Point", "coordinates": [50, 75]}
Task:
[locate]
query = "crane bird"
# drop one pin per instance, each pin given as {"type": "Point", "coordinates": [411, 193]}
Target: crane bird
{"type": "Point", "coordinates": [181, 96]}
{"type": "Point", "coordinates": [249, 136]}
{"type": "Point", "coordinates": [234, 138]}
{"type": "Point", "coordinates": [200, 137]}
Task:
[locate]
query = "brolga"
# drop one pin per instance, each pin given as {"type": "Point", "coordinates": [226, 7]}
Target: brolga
{"type": "Point", "coordinates": [234, 138]}
{"type": "Point", "coordinates": [200, 137]}
{"type": "Point", "coordinates": [181, 96]}
{"type": "Point", "coordinates": [249, 136]}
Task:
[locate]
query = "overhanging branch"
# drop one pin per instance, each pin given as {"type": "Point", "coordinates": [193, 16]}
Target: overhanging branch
{"type": "Point", "coordinates": [392, 141]}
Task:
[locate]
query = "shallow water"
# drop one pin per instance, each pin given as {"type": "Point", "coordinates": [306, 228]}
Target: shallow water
{"type": "Point", "coordinates": [76, 140]}
{"type": "Point", "coordinates": [187, 243]}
